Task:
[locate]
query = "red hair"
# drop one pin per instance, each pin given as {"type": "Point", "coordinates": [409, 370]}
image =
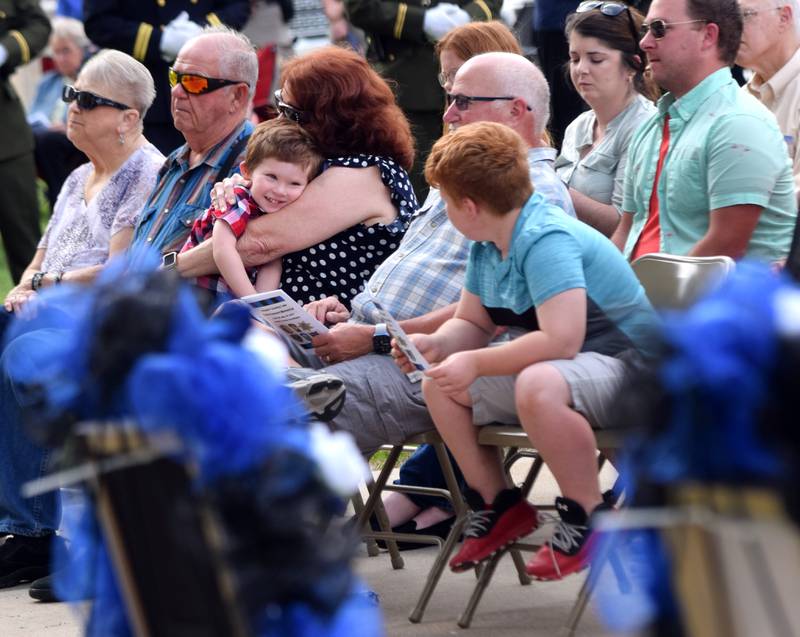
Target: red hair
{"type": "Point", "coordinates": [350, 108]}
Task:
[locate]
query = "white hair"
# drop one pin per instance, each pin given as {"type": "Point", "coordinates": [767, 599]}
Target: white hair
{"type": "Point", "coordinates": [514, 75]}
{"type": "Point", "coordinates": [70, 29]}
{"type": "Point", "coordinates": [128, 80]}
{"type": "Point", "coordinates": [237, 56]}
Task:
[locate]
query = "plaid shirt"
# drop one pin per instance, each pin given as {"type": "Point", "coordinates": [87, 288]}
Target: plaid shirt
{"type": "Point", "coordinates": [181, 194]}
{"type": "Point", "coordinates": [426, 271]}
{"type": "Point", "coordinates": [237, 217]}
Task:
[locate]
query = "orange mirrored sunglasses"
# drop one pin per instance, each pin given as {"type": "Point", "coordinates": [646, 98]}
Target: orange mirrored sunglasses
{"type": "Point", "coordinates": [198, 84]}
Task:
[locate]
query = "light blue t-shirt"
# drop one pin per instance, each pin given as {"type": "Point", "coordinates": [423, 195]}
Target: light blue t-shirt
{"type": "Point", "coordinates": [551, 253]}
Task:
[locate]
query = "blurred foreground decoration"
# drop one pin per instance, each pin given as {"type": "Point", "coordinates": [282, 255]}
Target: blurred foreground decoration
{"type": "Point", "coordinates": [211, 511]}
{"type": "Point", "coordinates": [708, 543]}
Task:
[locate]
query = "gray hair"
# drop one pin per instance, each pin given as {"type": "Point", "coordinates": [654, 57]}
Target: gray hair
{"type": "Point", "coordinates": [123, 76]}
{"type": "Point", "coordinates": [515, 75]}
{"type": "Point", "coordinates": [237, 57]}
{"type": "Point", "coordinates": [70, 29]}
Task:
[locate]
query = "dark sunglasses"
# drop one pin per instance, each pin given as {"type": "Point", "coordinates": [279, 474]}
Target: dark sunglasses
{"type": "Point", "coordinates": [612, 10]}
{"type": "Point", "coordinates": [660, 27]}
{"type": "Point", "coordinates": [462, 102]}
{"type": "Point", "coordinates": [198, 84]}
{"type": "Point", "coordinates": [87, 101]}
{"type": "Point", "coordinates": [287, 110]}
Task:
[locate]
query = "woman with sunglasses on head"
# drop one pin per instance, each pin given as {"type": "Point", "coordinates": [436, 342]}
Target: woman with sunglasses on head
{"type": "Point", "coordinates": [607, 69]}
{"type": "Point", "coordinates": [353, 215]}
{"type": "Point", "coordinates": [100, 201]}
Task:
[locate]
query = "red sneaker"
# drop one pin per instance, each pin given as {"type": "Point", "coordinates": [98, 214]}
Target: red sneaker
{"type": "Point", "coordinates": [569, 548]}
{"type": "Point", "coordinates": [492, 529]}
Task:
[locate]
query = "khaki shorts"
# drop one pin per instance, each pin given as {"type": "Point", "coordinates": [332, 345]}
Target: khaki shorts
{"type": "Point", "coordinates": [593, 381]}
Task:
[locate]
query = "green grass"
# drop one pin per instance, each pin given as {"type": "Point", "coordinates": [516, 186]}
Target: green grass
{"type": "Point", "coordinates": [44, 214]}
{"type": "Point", "coordinates": [378, 459]}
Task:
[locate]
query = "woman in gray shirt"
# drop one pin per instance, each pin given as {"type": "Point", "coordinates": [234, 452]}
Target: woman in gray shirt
{"type": "Point", "coordinates": [607, 68]}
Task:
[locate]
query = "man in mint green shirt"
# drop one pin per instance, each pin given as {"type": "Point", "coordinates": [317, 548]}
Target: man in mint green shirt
{"type": "Point", "coordinates": [724, 183]}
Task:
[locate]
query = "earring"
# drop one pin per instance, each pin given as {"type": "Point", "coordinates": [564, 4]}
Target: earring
{"type": "Point", "coordinates": [121, 139]}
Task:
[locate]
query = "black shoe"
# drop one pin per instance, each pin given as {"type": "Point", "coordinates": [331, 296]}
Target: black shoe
{"type": "Point", "coordinates": [42, 589]}
{"type": "Point", "coordinates": [440, 529]}
{"type": "Point", "coordinates": [24, 559]}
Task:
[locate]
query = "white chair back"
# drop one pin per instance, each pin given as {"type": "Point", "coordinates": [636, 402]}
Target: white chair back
{"type": "Point", "coordinates": [674, 282]}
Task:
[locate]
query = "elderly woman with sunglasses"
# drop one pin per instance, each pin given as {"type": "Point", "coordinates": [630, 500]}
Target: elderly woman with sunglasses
{"type": "Point", "coordinates": [607, 69]}
{"type": "Point", "coordinates": [99, 203]}
{"type": "Point", "coordinates": [353, 215]}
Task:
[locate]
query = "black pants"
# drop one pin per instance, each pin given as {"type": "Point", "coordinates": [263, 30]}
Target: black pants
{"type": "Point", "coordinates": [19, 212]}
{"type": "Point", "coordinates": [565, 103]}
{"type": "Point", "coordinates": [56, 158]}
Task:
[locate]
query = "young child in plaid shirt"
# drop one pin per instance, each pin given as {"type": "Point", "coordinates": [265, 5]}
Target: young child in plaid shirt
{"type": "Point", "coordinates": [281, 159]}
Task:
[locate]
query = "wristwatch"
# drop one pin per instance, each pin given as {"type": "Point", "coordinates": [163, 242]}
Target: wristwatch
{"type": "Point", "coordinates": [381, 341]}
{"type": "Point", "coordinates": [169, 260]}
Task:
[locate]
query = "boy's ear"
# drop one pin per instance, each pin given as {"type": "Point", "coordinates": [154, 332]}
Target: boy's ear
{"type": "Point", "coordinates": [244, 170]}
{"type": "Point", "coordinates": [469, 206]}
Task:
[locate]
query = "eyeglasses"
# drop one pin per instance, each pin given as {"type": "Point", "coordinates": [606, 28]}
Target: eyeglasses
{"type": "Point", "coordinates": [612, 10]}
{"type": "Point", "coordinates": [462, 102]}
{"type": "Point", "coordinates": [444, 78]}
{"type": "Point", "coordinates": [660, 27]}
{"type": "Point", "coordinates": [287, 110]}
{"type": "Point", "coordinates": [198, 84]}
{"type": "Point", "coordinates": [87, 101]}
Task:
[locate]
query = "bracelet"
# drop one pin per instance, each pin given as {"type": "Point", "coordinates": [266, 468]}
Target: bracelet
{"type": "Point", "coordinates": [36, 281]}
{"type": "Point", "coordinates": [58, 278]}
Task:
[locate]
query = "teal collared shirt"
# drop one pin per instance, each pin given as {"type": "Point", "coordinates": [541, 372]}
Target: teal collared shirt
{"type": "Point", "coordinates": [725, 149]}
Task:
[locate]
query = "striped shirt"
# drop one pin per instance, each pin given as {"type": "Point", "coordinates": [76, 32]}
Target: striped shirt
{"type": "Point", "coordinates": [182, 192]}
{"type": "Point", "coordinates": [426, 271]}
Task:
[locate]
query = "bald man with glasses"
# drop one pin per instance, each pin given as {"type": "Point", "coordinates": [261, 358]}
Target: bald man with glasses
{"type": "Point", "coordinates": [708, 174]}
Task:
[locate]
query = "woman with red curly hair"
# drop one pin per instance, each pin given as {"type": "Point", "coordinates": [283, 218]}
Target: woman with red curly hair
{"type": "Point", "coordinates": [353, 215]}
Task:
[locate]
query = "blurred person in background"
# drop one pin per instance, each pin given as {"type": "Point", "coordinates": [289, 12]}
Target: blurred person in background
{"type": "Point", "coordinates": [549, 18]}
{"type": "Point", "coordinates": [770, 47]}
{"type": "Point", "coordinates": [24, 30]}
{"type": "Point", "coordinates": [55, 155]}
{"type": "Point", "coordinates": [607, 68]}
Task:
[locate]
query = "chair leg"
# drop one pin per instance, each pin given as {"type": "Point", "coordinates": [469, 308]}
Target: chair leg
{"type": "Point", "coordinates": [487, 572]}
{"type": "Point", "coordinates": [391, 545]}
{"type": "Point", "coordinates": [358, 507]}
{"type": "Point", "coordinates": [519, 563]}
{"type": "Point", "coordinates": [452, 538]}
{"type": "Point", "coordinates": [374, 498]}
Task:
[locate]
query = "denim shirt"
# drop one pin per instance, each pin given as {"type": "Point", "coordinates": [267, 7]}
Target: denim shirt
{"type": "Point", "coordinates": [182, 193]}
{"type": "Point", "coordinates": [725, 149]}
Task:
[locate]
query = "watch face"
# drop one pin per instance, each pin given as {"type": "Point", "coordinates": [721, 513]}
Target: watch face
{"type": "Point", "coordinates": [382, 344]}
{"type": "Point", "coordinates": [169, 259]}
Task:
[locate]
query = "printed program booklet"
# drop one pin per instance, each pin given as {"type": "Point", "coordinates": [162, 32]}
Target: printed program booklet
{"type": "Point", "coordinates": [404, 344]}
{"type": "Point", "coordinates": [282, 313]}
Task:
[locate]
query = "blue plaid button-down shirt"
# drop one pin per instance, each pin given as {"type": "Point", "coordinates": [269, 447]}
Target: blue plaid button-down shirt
{"type": "Point", "coordinates": [426, 271]}
{"type": "Point", "coordinates": [181, 194]}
